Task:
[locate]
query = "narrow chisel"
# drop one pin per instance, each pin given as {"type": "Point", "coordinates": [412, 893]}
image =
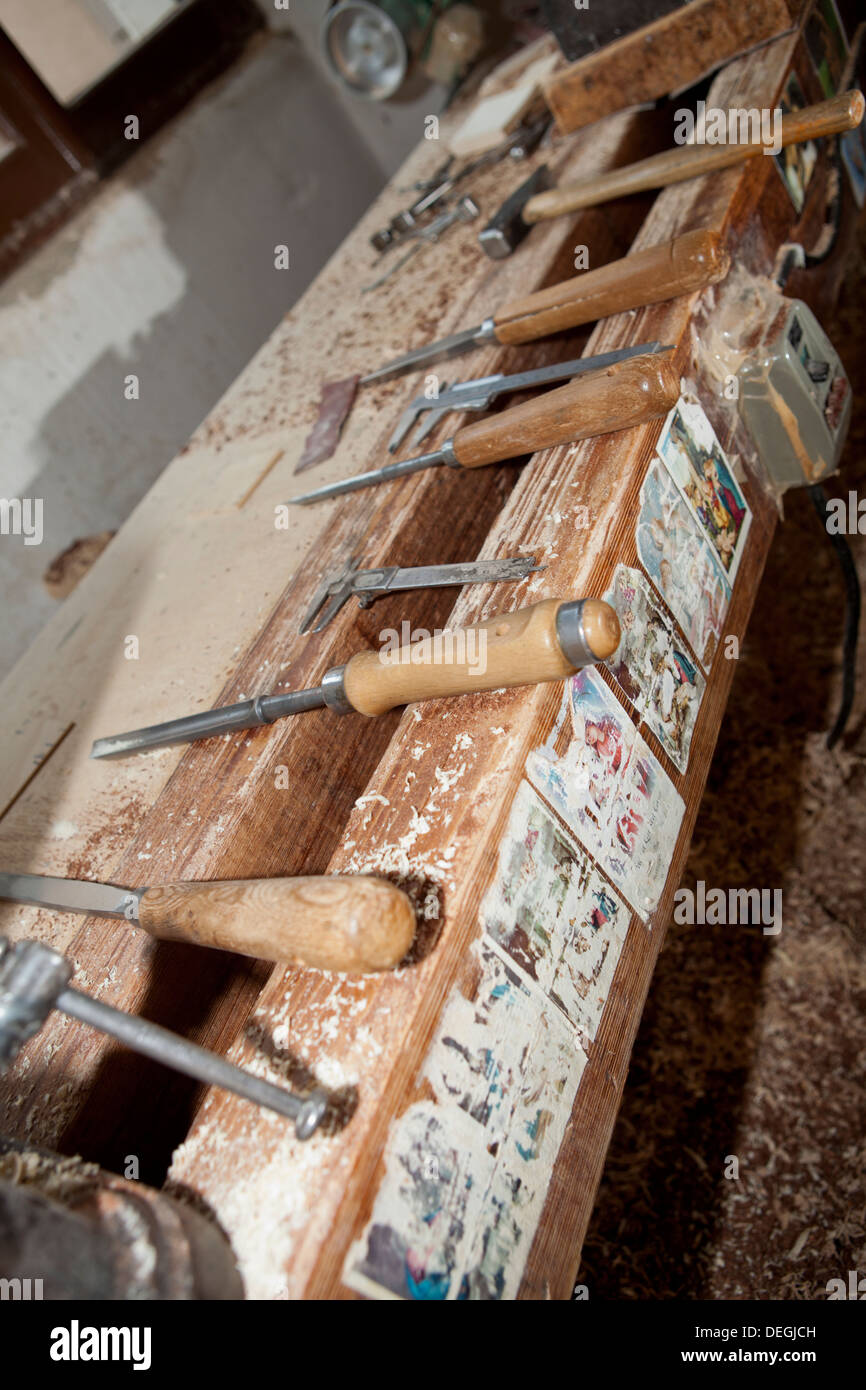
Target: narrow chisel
{"type": "Point", "coordinates": [616, 398]}
{"type": "Point", "coordinates": [352, 924]}
{"type": "Point", "coordinates": [687, 263]}
{"type": "Point", "coordinates": [545, 642]}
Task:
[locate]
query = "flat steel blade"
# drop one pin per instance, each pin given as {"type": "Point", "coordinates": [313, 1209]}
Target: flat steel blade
{"type": "Point", "coordinates": [435, 352]}
{"type": "Point", "coordinates": [71, 895]}
{"type": "Point", "coordinates": [376, 475]}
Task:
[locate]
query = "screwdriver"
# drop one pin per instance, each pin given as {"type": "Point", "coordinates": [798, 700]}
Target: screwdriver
{"type": "Point", "coordinates": [545, 642]}
{"type": "Point", "coordinates": [629, 393]}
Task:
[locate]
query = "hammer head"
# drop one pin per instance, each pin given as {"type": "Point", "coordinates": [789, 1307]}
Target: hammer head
{"type": "Point", "coordinates": [506, 229]}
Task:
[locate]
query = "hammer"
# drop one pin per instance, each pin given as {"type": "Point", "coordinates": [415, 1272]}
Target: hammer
{"type": "Point", "coordinates": [535, 201]}
{"type": "Point", "coordinates": [34, 981]}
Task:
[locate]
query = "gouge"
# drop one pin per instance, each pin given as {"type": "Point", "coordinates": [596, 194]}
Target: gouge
{"type": "Point", "coordinates": [354, 924]}
{"type": "Point", "coordinates": [525, 207]}
{"type": "Point", "coordinates": [545, 642]}
{"type": "Point", "coordinates": [630, 393]}
{"type": "Point", "coordinates": [687, 263]}
{"type": "Point", "coordinates": [34, 980]}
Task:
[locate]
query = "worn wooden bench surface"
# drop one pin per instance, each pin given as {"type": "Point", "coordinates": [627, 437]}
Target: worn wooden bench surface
{"type": "Point", "coordinates": [214, 593]}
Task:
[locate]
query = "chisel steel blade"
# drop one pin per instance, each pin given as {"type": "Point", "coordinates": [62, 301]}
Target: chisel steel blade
{"type": "Point", "coordinates": [375, 475]}
{"type": "Point", "coordinates": [251, 714]}
{"type": "Point", "coordinates": [71, 895]}
{"type": "Point", "coordinates": [435, 352]}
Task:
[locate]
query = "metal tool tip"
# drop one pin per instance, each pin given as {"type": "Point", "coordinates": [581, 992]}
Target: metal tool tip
{"type": "Point", "coordinates": [327, 490]}
{"type": "Point", "coordinates": [117, 745]}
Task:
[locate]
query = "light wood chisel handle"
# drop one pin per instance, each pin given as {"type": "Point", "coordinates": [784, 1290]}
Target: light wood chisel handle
{"type": "Point", "coordinates": [689, 262]}
{"type": "Point", "coordinates": [616, 398]}
{"type": "Point", "coordinates": [840, 113]}
{"type": "Point", "coordinates": [522, 648]}
{"type": "Point", "coordinates": [353, 924]}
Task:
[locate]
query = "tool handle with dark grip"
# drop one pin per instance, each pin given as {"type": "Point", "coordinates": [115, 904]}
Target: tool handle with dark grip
{"type": "Point", "coordinates": [352, 924]}
{"type": "Point", "coordinates": [617, 398]}
{"type": "Point", "coordinates": [521, 648]}
{"type": "Point", "coordinates": [687, 263]}
{"type": "Point", "coordinates": [832, 117]}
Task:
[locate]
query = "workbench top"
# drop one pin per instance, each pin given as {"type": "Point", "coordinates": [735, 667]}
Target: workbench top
{"type": "Point", "coordinates": [471, 1108]}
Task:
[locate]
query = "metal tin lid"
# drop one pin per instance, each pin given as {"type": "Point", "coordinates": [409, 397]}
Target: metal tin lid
{"type": "Point", "coordinates": [365, 46]}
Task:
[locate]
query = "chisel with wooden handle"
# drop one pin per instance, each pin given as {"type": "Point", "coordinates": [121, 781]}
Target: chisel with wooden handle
{"type": "Point", "coordinates": [616, 398]}
{"type": "Point", "coordinates": [353, 924]}
{"type": "Point", "coordinates": [672, 268]}
{"type": "Point", "coordinates": [545, 642]}
{"type": "Point", "coordinates": [508, 227]}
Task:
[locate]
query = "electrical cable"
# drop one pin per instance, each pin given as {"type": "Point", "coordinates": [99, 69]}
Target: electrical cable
{"type": "Point", "coordinates": [793, 256]}
{"type": "Point", "coordinates": [852, 613]}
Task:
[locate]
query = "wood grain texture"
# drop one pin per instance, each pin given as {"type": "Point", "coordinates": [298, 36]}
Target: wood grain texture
{"type": "Point", "coordinates": [216, 594]}
{"type": "Point", "coordinates": [662, 57]}
{"type": "Point", "coordinates": [616, 398]}
{"type": "Point", "coordinates": [350, 924]}
{"type": "Point", "coordinates": [681, 266]}
{"type": "Point", "coordinates": [422, 799]}
{"type": "Point", "coordinates": [409, 825]}
{"type": "Point", "coordinates": [520, 648]}
{"type": "Point", "coordinates": [831, 117]}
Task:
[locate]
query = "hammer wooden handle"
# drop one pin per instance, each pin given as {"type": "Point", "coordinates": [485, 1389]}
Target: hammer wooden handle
{"type": "Point", "coordinates": [615, 398]}
{"type": "Point", "coordinates": [840, 113]}
{"type": "Point", "coordinates": [354, 924]}
{"type": "Point", "coordinates": [521, 648]}
{"type": "Point", "coordinates": [687, 263]}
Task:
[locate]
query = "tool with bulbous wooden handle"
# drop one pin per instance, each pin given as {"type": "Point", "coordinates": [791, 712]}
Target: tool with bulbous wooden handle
{"type": "Point", "coordinates": [832, 117]}
{"type": "Point", "coordinates": [687, 263]}
{"type": "Point", "coordinates": [353, 924]}
{"type": "Point", "coordinates": [545, 642]}
{"type": "Point", "coordinates": [629, 393]}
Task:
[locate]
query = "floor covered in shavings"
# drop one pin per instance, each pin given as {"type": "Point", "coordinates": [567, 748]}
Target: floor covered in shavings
{"type": "Point", "coordinates": [754, 1046]}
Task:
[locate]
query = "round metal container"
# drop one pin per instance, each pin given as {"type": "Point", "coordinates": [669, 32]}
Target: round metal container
{"type": "Point", "coordinates": [366, 47]}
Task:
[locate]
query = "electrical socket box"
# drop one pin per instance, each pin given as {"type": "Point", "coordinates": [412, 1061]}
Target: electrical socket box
{"type": "Point", "coordinates": [795, 398]}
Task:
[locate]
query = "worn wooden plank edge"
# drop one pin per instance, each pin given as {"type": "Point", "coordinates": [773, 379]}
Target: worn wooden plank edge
{"type": "Point", "coordinates": [702, 205]}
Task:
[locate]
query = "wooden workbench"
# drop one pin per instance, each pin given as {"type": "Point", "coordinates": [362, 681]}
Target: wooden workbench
{"type": "Point", "coordinates": [214, 590]}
